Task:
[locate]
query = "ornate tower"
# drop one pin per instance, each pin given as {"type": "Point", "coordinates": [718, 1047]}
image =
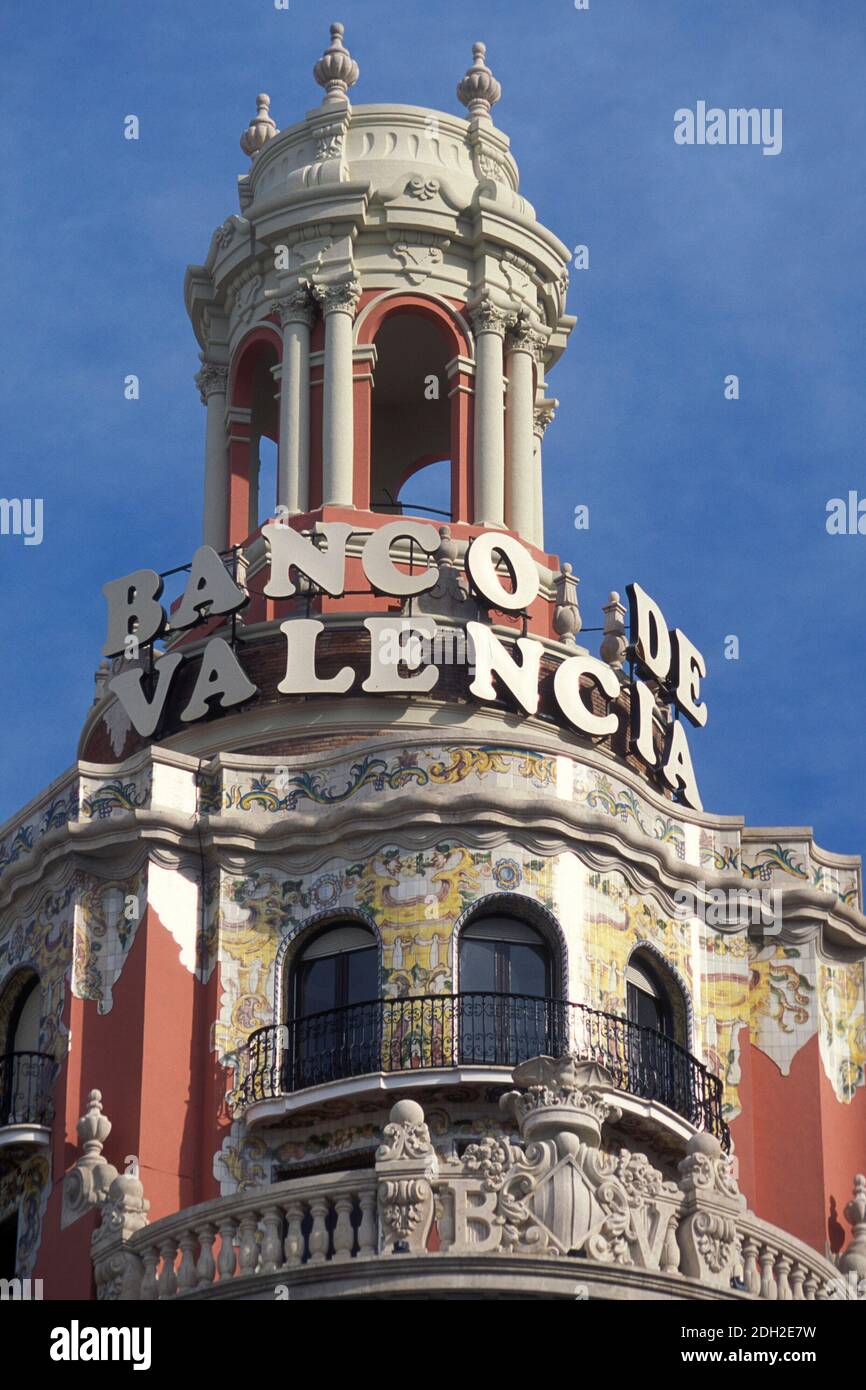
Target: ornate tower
{"type": "Point", "coordinates": [383, 918]}
{"type": "Point", "coordinates": [385, 299]}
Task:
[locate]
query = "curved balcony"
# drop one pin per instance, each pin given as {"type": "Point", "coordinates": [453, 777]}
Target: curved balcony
{"type": "Point", "coordinates": [435, 1031]}
{"type": "Point", "coordinates": [25, 1097]}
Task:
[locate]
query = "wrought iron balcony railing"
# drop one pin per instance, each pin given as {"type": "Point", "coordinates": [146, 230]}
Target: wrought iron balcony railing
{"type": "Point", "coordinates": [25, 1088]}
{"type": "Point", "coordinates": [475, 1029]}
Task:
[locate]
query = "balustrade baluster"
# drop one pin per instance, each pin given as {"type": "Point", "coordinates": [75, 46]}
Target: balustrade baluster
{"type": "Point", "coordinates": [367, 1231]}
{"type": "Point", "coordinates": [798, 1274]}
{"type": "Point", "coordinates": [248, 1244]}
{"type": "Point", "coordinates": [344, 1235]}
{"type": "Point", "coordinates": [751, 1277]}
{"type": "Point", "coordinates": [294, 1245]}
{"type": "Point", "coordinates": [272, 1239]}
{"type": "Point", "coordinates": [768, 1287]}
{"type": "Point", "coordinates": [205, 1268]}
{"type": "Point", "coordinates": [227, 1231]}
{"type": "Point", "coordinates": [167, 1281]}
{"type": "Point", "coordinates": [319, 1233]}
{"type": "Point", "coordinates": [149, 1285]}
{"type": "Point", "coordinates": [186, 1275]}
{"type": "Point", "coordinates": [783, 1288]}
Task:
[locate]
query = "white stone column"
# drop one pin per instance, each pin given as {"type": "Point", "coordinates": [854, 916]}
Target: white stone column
{"type": "Point", "coordinates": [212, 381]}
{"type": "Point", "coordinates": [489, 324]}
{"type": "Point", "coordinates": [523, 346]}
{"type": "Point", "coordinates": [542, 416]}
{"type": "Point", "coordinates": [293, 466]}
{"type": "Point", "coordinates": [338, 306]}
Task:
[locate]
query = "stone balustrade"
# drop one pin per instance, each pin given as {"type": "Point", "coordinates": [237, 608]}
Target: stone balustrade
{"type": "Point", "coordinates": [307, 1221]}
{"type": "Point", "coordinates": [777, 1266]}
{"type": "Point", "coordinates": [536, 1213]}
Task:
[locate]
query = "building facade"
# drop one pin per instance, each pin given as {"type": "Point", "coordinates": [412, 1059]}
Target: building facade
{"type": "Point", "coordinates": [378, 942]}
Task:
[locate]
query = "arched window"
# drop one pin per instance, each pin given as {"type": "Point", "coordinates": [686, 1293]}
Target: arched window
{"type": "Point", "coordinates": [253, 415]}
{"type": "Point", "coordinates": [659, 1066]}
{"type": "Point", "coordinates": [654, 999]}
{"type": "Point", "coordinates": [411, 416]}
{"type": "Point", "coordinates": [503, 955]}
{"type": "Point", "coordinates": [338, 969]}
{"type": "Point", "coordinates": [506, 1014]}
{"type": "Point", "coordinates": [25, 1019]}
{"type": "Point", "coordinates": [25, 1073]}
{"type": "Point", "coordinates": [335, 1019]}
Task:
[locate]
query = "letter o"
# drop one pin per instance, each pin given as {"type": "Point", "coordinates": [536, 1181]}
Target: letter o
{"type": "Point", "coordinates": [485, 580]}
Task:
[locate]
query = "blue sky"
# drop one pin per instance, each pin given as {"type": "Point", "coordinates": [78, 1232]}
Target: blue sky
{"type": "Point", "coordinates": [703, 262]}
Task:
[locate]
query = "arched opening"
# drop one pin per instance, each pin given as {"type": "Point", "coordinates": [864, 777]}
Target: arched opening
{"type": "Point", "coordinates": [334, 1018]}
{"type": "Point", "coordinates": [427, 492]}
{"type": "Point", "coordinates": [654, 997]}
{"type": "Point", "coordinates": [411, 410]}
{"type": "Point", "coordinates": [25, 1037]}
{"type": "Point", "coordinates": [25, 1072]}
{"type": "Point", "coordinates": [266, 479]}
{"type": "Point", "coordinates": [254, 419]}
{"type": "Point", "coordinates": [658, 1064]}
{"type": "Point", "coordinates": [506, 977]}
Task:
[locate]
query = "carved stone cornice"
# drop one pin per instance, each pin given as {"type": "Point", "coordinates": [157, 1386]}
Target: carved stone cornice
{"type": "Point", "coordinates": [211, 380]}
{"type": "Point", "coordinates": [339, 298]}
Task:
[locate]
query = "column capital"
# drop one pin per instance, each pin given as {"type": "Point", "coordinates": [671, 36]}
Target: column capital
{"type": "Point", "coordinates": [297, 307]}
{"type": "Point", "coordinates": [543, 415]}
{"type": "Point", "coordinates": [488, 317]}
{"type": "Point", "coordinates": [211, 379]}
{"type": "Point", "coordinates": [523, 336]}
{"type": "Point", "coordinates": [341, 298]}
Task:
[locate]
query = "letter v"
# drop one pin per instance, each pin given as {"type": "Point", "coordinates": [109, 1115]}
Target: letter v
{"type": "Point", "coordinates": [145, 714]}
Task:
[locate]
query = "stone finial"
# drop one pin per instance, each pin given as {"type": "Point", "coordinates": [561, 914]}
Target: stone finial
{"type": "Point", "coordinates": [478, 89]}
{"type": "Point", "coordinates": [614, 645]}
{"type": "Point", "coordinates": [336, 70]}
{"type": "Point", "coordinates": [854, 1259]}
{"type": "Point", "coordinates": [448, 549]}
{"type": "Point", "coordinates": [87, 1184]}
{"type": "Point", "coordinates": [407, 1135]}
{"type": "Point", "coordinates": [93, 1129]}
{"type": "Point", "coordinates": [406, 1168]}
{"type": "Point", "coordinates": [261, 128]}
{"type": "Point", "coordinates": [707, 1234]}
{"type": "Point", "coordinates": [566, 615]}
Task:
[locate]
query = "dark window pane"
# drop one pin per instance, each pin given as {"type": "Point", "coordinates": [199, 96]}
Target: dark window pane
{"type": "Point", "coordinates": [644, 1009]}
{"type": "Point", "coordinates": [478, 966]}
{"type": "Point", "coordinates": [527, 969]}
{"type": "Point", "coordinates": [317, 985]}
{"type": "Point", "coordinates": [362, 976]}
